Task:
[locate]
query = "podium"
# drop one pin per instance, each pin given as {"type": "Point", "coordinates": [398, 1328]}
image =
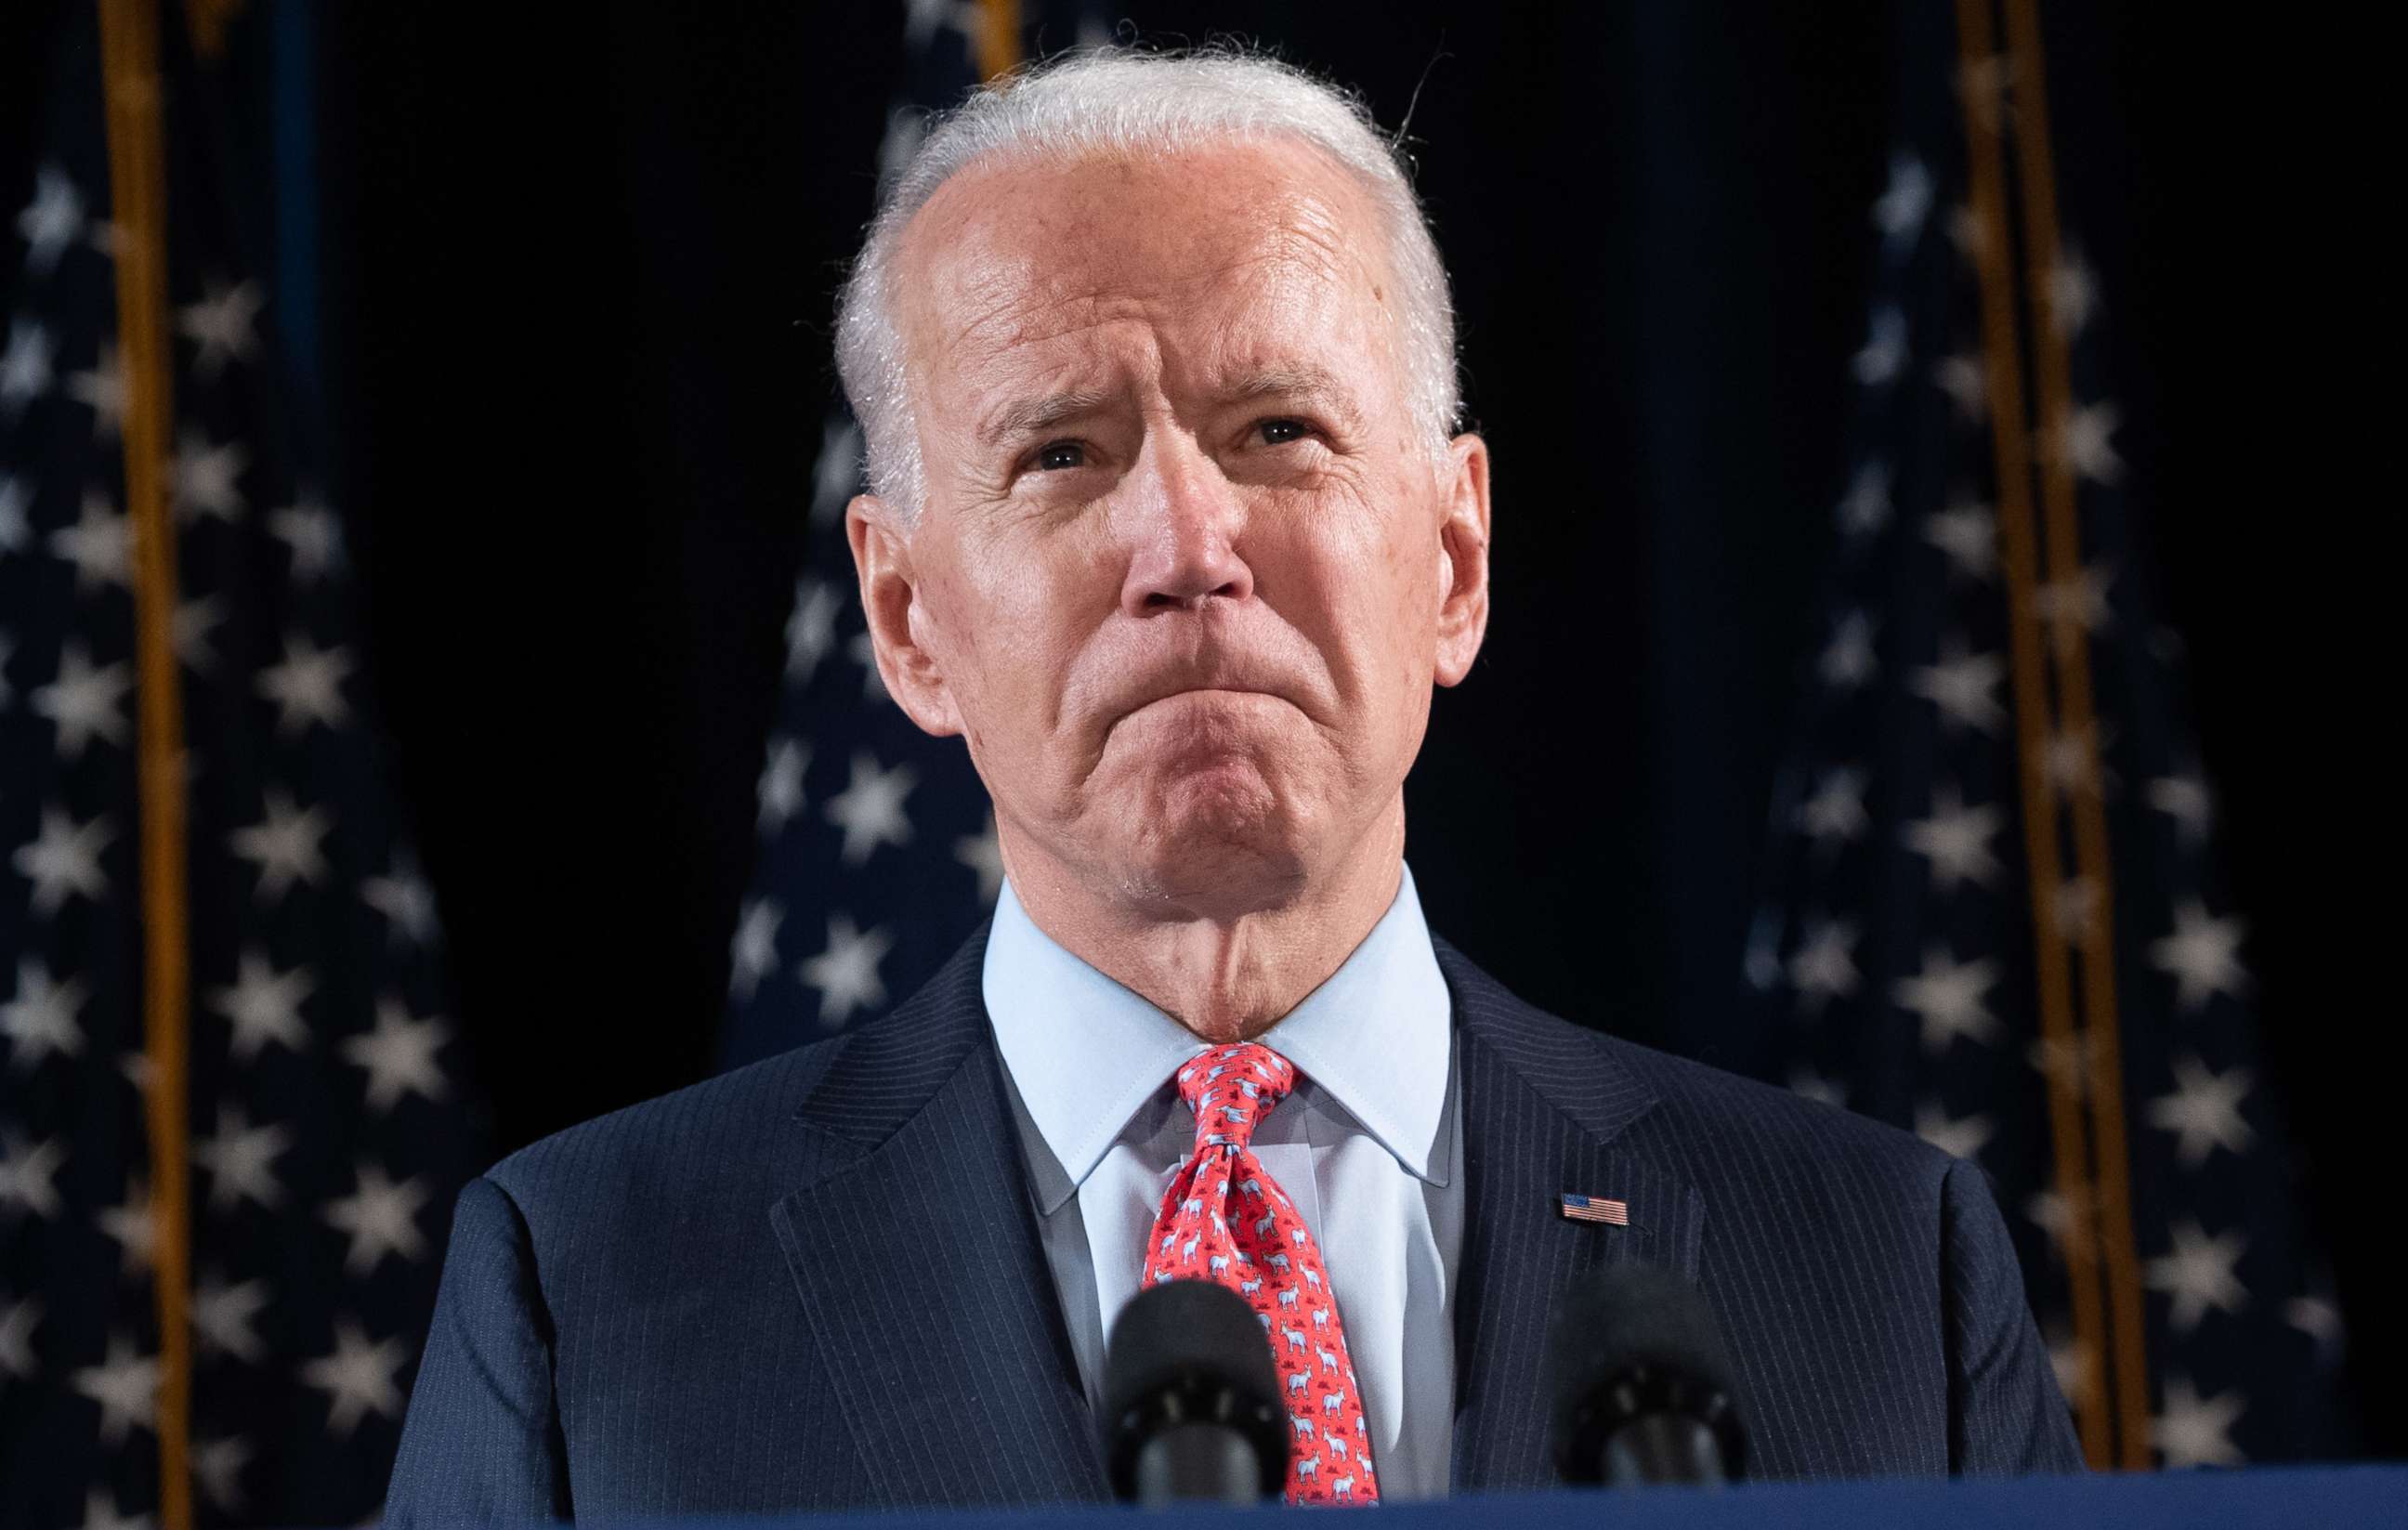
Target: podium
{"type": "Point", "coordinates": [2263, 1499]}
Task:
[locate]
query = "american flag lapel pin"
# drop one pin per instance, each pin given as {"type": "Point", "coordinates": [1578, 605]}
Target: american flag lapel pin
{"type": "Point", "coordinates": [1596, 1209]}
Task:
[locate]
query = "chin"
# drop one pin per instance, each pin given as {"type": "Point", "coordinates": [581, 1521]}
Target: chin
{"type": "Point", "coordinates": [1219, 844]}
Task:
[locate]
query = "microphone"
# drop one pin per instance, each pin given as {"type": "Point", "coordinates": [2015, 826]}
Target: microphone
{"type": "Point", "coordinates": [1644, 1392]}
{"type": "Point", "coordinates": [1191, 1406]}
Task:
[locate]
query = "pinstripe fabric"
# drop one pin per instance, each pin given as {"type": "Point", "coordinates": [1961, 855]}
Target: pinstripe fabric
{"type": "Point", "coordinates": [705, 1303]}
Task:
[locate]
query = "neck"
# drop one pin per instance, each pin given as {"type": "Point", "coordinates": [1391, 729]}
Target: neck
{"type": "Point", "coordinates": [1226, 976]}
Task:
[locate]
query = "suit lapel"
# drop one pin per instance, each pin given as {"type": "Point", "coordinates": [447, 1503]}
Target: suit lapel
{"type": "Point", "coordinates": [913, 1245]}
{"type": "Point", "coordinates": [1543, 1106]}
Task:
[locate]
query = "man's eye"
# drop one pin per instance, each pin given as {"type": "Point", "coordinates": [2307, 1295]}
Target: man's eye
{"type": "Point", "coordinates": [1057, 455]}
{"type": "Point", "coordinates": [1281, 432]}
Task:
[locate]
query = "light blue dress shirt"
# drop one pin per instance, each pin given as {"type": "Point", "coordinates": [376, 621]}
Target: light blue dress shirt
{"type": "Point", "coordinates": [1369, 1147]}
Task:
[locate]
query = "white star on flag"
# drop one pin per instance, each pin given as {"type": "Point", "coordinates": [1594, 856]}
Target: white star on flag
{"type": "Point", "coordinates": [125, 1384]}
{"type": "Point", "coordinates": [84, 702]}
{"type": "Point", "coordinates": [284, 844]}
{"type": "Point", "coordinates": [217, 1466]}
{"type": "Point", "coordinates": [2073, 294]}
{"type": "Point", "coordinates": [779, 795]}
{"type": "Point", "coordinates": [1958, 1137]}
{"type": "Point", "coordinates": [869, 810]}
{"type": "Point", "coordinates": [63, 859]}
{"type": "Point", "coordinates": [2082, 440]}
{"type": "Point", "coordinates": [308, 686]}
{"type": "Point", "coordinates": [265, 1006]}
{"type": "Point", "coordinates": [2184, 799]}
{"type": "Point", "coordinates": [1865, 508]}
{"type": "Point", "coordinates": [133, 1225]}
{"type": "Point", "coordinates": [1966, 531]}
{"type": "Point", "coordinates": [2073, 908]}
{"type": "Point", "coordinates": [207, 478]}
{"type": "Point", "coordinates": [837, 470]}
{"type": "Point", "coordinates": [240, 1159]}
{"type": "Point", "coordinates": [1962, 686]}
{"type": "Point", "coordinates": [25, 366]}
{"type": "Point", "coordinates": [1835, 814]}
{"type": "Point", "coordinates": [1966, 380]}
{"type": "Point", "coordinates": [313, 535]}
{"type": "Point", "coordinates": [189, 632]}
{"type": "Point", "coordinates": [399, 1056]}
{"type": "Point", "coordinates": [222, 325]}
{"type": "Point", "coordinates": [2194, 1431]}
{"type": "Point", "coordinates": [379, 1218]}
{"type": "Point", "coordinates": [52, 222]}
{"type": "Point", "coordinates": [1956, 839]}
{"type": "Point", "coordinates": [1883, 354]}
{"type": "Point", "coordinates": [98, 544]}
{"type": "Point", "coordinates": [28, 1174]}
{"type": "Point", "coordinates": [357, 1377]}
{"type": "Point", "coordinates": [404, 900]}
{"type": "Point", "coordinates": [1848, 661]}
{"type": "Point", "coordinates": [811, 628]}
{"type": "Point", "coordinates": [43, 1017]}
{"type": "Point", "coordinates": [752, 955]}
{"type": "Point", "coordinates": [846, 972]}
{"type": "Point", "coordinates": [15, 501]}
{"type": "Point", "coordinates": [2204, 1110]}
{"type": "Point", "coordinates": [2074, 607]}
{"type": "Point", "coordinates": [2201, 955]}
{"type": "Point", "coordinates": [100, 1513]}
{"type": "Point", "coordinates": [2198, 1273]}
{"type": "Point", "coordinates": [222, 1317]}
{"type": "Point", "coordinates": [1824, 967]}
{"type": "Point", "coordinates": [18, 1320]}
{"type": "Point", "coordinates": [1947, 995]}
{"type": "Point", "coordinates": [983, 852]}
{"type": "Point", "coordinates": [864, 652]}
{"type": "Point", "coordinates": [101, 390]}
{"type": "Point", "coordinates": [1904, 204]}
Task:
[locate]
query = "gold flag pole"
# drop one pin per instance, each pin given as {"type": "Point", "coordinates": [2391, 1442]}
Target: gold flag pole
{"type": "Point", "coordinates": [2102, 1053]}
{"type": "Point", "coordinates": [2029, 667]}
{"type": "Point", "coordinates": [129, 36]}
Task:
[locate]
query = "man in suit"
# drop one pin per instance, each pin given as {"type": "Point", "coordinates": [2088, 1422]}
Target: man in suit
{"type": "Point", "coordinates": [1172, 525]}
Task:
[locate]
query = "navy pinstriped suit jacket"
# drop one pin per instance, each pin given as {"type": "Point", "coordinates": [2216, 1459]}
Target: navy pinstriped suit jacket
{"type": "Point", "coordinates": [816, 1282]}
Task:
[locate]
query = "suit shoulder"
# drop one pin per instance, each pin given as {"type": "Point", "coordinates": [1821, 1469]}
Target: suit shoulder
{"type": "Point", "coordinates": [1737, 1110]}
{"type": "Point", "coordinates": [672, 1141]}
{"type": "Point", "coordinates": [1591, 1072]}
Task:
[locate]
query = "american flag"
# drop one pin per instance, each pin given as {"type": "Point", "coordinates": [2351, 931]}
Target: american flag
{"type": "Point", "coordinates": [878, 852]}
{"type": "Point", "coordinates": [325, 1134]}
{"type": "Point", "coordinates": [1993, 911]}
{"type": "Point", "coordinates": [1596, 1208]}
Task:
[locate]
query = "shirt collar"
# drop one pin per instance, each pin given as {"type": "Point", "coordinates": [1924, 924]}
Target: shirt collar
{"type": "Point", "coordinates": [1085, 1052]}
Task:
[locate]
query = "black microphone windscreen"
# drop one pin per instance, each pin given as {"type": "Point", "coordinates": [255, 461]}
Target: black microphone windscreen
{"type": "Point", "coordinates": [1633, 1315]}
{"type": "Point", "coordinates": [1179, 1329]}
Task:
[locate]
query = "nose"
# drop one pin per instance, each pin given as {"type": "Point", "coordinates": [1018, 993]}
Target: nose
{"type": "Point", "coordinates": [1180, 517]}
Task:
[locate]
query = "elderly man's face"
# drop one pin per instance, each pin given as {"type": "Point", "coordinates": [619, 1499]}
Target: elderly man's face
{"type": "Point", "coordinates": [1185, 571]}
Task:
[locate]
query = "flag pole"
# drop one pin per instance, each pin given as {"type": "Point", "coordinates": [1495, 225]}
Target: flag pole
{"type": "Point", "coordinates": [129, 31]}
{"type": "Point", "coordinates": [2102, 1053]}
{"type": "Point", "coordinates": [2020, 559]}
{"type": "Point", "coordinates": [998, 46]}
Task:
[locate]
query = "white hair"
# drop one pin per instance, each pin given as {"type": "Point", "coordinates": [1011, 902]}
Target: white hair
{"type": "Point", "coordinates": [1120, 101]}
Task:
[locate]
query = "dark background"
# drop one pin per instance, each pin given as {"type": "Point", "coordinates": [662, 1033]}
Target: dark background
{"type": "Point", "coordinates": [576, 280]}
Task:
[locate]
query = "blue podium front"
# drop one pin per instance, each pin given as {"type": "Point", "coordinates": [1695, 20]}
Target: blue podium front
{"type": "Point", "coordinates": [2290, 1498]}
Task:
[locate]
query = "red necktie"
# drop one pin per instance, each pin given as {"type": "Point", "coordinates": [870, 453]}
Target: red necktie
{"type": "Point", "coordinates": [1225, 1219]}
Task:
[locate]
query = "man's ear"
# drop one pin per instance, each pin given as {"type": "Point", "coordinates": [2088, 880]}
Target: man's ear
{"type": "Point", "coordinates": [892, 596]}
{"type": "Point", "coordinates": [1462, 559]}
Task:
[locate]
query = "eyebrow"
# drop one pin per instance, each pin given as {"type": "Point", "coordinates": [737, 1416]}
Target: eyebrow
{"type": "Point", "coordinates": [1033, 415]}
{"type": "Point", "coordinates": [1300, 380]}
{"type": "Point", "coordinates": [1027, 416]}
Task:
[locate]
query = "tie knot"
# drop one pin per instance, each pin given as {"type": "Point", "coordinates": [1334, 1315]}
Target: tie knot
{"type": "Point", "coordinates": [1231, 1089]}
